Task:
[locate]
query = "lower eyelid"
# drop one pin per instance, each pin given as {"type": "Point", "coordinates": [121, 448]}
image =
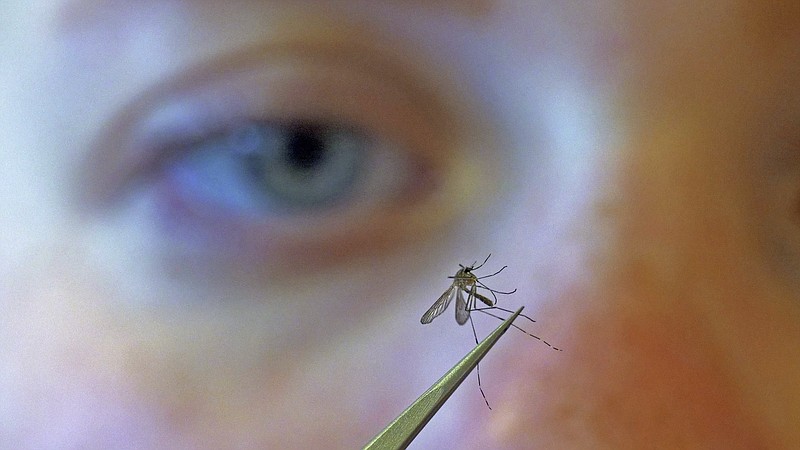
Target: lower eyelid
{"type": "Point", "coordinates": [276, 247]}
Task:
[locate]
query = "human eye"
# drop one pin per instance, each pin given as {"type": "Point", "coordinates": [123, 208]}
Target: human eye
{"type": "Point", "coordinates": [261, 168]}
{"type": "Point", "coordinates": [290, 155]}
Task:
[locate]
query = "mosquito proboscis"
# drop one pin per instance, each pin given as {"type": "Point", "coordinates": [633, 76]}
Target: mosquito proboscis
{"type": "Point", "coordinates": [466, 282]}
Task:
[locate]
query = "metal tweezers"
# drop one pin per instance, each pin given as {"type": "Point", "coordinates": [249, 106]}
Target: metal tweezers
{"type": "Point", "coordinates": [403, 429]}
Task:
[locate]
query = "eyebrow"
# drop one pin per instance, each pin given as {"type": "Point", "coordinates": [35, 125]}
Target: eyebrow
{"type": "Point", "coordinates": [77, 13]}
{"type": "Point", "coordinates": [474, 9]}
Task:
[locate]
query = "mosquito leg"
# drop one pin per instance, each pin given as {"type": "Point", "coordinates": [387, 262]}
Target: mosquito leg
{"type": "Point", "coordinates": [484, 262]}
{"type": "Point", "coordinates": [494, 295]}
{"type": "Point", "coordinates": [495, 290]}
{"type": "Point", "coordinates": [474, 333]}
{"type": "Point", "coordinates": [478, 366]}
{"type": "Point", "coordinates": [506, 310]}
{"type": "Point", "coordinates": [484, 310]}
{"type": "Point", "coordinates": [472, 300]}
{"type": "Point", "coordinates": [487, 276]}
{"type": "Point", "coordinates": [490, 290]}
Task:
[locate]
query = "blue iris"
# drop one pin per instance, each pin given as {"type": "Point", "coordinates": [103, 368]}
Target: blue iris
{"type": "Point", "coordinates": [289, 166]}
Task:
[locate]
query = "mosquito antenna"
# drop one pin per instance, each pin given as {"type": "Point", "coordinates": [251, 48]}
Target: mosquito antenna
{"type": "Point", "coordinates": [478, 366]}
{"type": "Point", "coordinates": [484, 310]}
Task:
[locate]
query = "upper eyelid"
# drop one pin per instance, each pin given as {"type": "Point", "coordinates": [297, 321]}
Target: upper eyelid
{"type": "Point", "coordinates": [457, 136]}
{"type": "Point", "coordinates": [369, 59]}
{"type": "Point", "coordinates": [456, 180]}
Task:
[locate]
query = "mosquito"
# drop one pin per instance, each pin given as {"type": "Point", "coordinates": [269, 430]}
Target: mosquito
{"type": "Point", "coordinates": [465, 281]}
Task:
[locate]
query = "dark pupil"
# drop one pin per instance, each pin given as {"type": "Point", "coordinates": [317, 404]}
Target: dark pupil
{"type": "Point", "coordinates": [303, 164]}
{"type": "Point", "coordinates": [306, 147]}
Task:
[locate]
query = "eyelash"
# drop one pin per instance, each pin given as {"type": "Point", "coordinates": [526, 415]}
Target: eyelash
{"type": "Point", "coordinates": [410, 124]}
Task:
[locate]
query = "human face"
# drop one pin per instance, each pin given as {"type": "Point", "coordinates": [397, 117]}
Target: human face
{"type": "Point", "coordinates": [166, 282]}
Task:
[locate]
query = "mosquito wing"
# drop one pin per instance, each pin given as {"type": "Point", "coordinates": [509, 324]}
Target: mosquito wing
{"type": "Point", "coordinates": [462, 313]}
{"type": "Point", "coordinates": [440, 305]}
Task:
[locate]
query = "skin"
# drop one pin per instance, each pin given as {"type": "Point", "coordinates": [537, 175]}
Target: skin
{"type": "Point", "coordinates": [634, 164]}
